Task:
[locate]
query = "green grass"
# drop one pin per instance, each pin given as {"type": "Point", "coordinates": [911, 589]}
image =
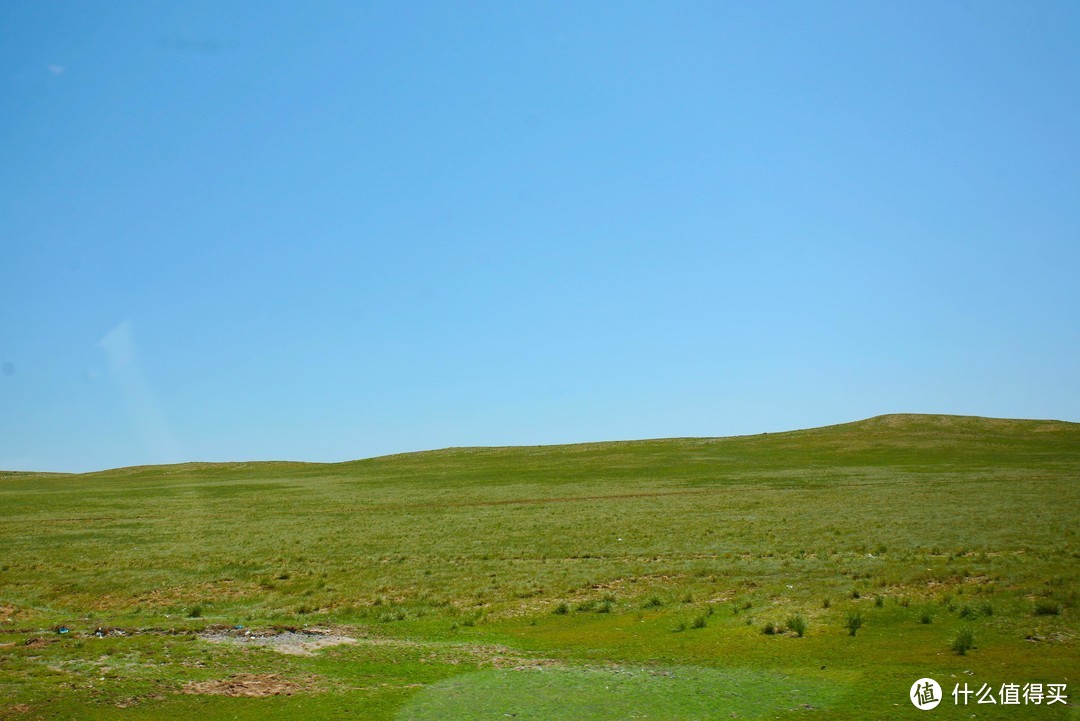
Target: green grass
{"type": "Point", "coordinates": [593, 694]}
{"type": "Point", "coordinates": [524, 578]}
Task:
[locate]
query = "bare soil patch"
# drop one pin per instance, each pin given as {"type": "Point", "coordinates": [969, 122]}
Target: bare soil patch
{"type": "Point", "coordinates": [38, 642]}
{"type": "Point", "coordinates": [248, 685]}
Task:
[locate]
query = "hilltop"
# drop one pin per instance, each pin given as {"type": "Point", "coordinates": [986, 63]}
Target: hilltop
{"type": "Point", "coordinates": [890, 437]}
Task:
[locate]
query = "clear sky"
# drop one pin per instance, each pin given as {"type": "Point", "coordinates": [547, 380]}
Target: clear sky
{"type": "Point", "coordinates": [324, 231]}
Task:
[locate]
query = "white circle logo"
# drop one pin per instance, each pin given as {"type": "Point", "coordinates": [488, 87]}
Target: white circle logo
{"type": "Point", "coordinates": [925, 694]}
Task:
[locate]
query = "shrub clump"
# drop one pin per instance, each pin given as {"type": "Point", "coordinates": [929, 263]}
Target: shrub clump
{"type": "Point", "coordinates": [964, 641]}
{"type": "Point", "coordinates": [562, 609]}
{"type": "Point", "coordinates": [769, 629]}
{"type": "Point", "coordinates": [854, 622]}
{"type": "Point", "coordinates": [392, 615]}
{"type": "Point", "coordinates": [1047, 608]}
{"type": "Point", "coordinates": [797, 625]}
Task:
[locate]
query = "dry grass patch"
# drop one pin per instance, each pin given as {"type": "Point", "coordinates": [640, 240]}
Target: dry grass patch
{"type": "Point", "coordinates": [246, 685]}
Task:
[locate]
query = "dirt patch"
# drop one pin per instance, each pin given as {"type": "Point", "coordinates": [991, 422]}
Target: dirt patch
{"type": "Point", "coordinates": [248, 685]}
{"type": "Point", "coordinates": [133, 701]}
{"type": "Point", "coordinates": [38, 642]}
{"type": "Point", "coordinates": [295, 642]}
{"type": "Point", "coordinates": [10, 614]}
{"type": "Point", "coordinates": [12, 711]}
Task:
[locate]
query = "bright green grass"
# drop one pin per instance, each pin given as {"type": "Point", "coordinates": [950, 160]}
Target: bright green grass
{"type": "Point", "coordinates": [591, 694]}
{"type": "Point", "coordinates": [670, 555]}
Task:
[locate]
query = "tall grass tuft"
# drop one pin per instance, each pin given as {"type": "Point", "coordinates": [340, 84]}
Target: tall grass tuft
{"type": "Point", "coordinates": [854, 622]}
{"type": "Point", "coordinates": [964, 641]}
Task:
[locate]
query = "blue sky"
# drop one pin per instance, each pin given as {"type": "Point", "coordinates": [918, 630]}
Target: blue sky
{"type": "Point", "coordinates": [325, 231]}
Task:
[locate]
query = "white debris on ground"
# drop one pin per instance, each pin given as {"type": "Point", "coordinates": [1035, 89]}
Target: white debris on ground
{"type": "Point", "coordinates": [297, 642]}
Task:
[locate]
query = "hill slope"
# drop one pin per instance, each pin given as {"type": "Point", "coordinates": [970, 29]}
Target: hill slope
{"type": "Point", "coordinates": [675, 551]}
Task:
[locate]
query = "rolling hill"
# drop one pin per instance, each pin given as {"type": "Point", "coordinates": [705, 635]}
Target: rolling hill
{"type": "Point", "coordinates": [607, 564]}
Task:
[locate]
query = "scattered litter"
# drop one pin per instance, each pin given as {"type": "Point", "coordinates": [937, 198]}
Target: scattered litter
{"type": "Point", "coordinates": [104, 631]}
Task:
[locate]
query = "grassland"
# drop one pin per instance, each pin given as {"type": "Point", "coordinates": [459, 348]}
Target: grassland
{"type": "Point", "coordinates": [596, 581]}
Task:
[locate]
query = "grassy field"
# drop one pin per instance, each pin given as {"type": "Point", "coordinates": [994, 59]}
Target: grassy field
{"type": "Point", "coordinates": [623, 580]}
